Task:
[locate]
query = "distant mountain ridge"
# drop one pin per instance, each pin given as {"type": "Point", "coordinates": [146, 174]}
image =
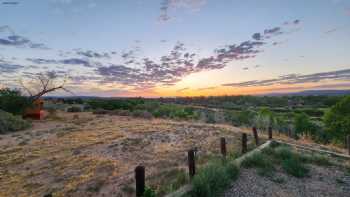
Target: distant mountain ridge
{"type": "Point", "coordinates": [311, 93]}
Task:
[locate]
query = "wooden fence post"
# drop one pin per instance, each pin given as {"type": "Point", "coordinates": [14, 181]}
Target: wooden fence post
{"type": "Point", "coordinates": [270, 133]}
{"type": "Point", "coordinates": [348, 143]}
{"type": "Point", "coordinates": [244, 143]}
{"type": "Point", "coordinates": [191, 163]}
{"type": "Point", "coordinates": [223, 146]}
{"type": "Point", "coordinates": [140, 180]}
{"type": "Point", "coordinates": [256, 137]}
{"type": "Point", "coordinates": [289, 133]}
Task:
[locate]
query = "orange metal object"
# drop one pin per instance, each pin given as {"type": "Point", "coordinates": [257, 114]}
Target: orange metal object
{"type": "Point", "coordinates": [36, 111]}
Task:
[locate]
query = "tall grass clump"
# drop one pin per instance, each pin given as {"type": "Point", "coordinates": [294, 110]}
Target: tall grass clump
{"type": "Point", "coordinates": [260, 161]}
{"type": "Point", "coordinates": [214, 178]}
{"type": "Point", "coordinates": [295, 167]}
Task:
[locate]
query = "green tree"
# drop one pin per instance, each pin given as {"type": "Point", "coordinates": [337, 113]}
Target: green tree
{"type": "Point", "coordinates": [303, 124]}
{"type": "Point", "coordinates": [264, 118]}
{"type": "Point", "coordinates": [13, 101]}
{"type": "Point", "coordinates": [337, 120]}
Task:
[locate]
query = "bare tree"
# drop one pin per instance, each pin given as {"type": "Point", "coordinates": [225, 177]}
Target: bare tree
{"type": "Point", "coordinates": [43, 83]}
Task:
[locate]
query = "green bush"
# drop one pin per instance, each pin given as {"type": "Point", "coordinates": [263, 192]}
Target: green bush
{"type": "Point", "coordinates": [149, 192]}
{"type": "Point", "coordinates": [10, 123]}
{"type": "Point", "coordinates": [258, 160]}
{"type": "Point", "coordinates": [119, 112]}
{"type": "Point", "coordinates": [337, 120]}
{"type": "Point", "coordinates": [142, 114]}
{"type": "Point", "coordinates": [74, 109]}
{"type": "Point", "coordinates": [13, 101]}
{"type": "Point", "coordinates": [213, 179]}
{"type": "Point", "coordinates": [174, 111]}
{"type": "Point", "coordinates": [295, 167]}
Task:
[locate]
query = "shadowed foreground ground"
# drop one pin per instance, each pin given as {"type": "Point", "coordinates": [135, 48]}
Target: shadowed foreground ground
{"type": "Point", "coordinates": [322, 182]}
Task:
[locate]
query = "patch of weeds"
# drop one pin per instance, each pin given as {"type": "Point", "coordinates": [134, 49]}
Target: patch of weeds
{"type": "Point", "coordinates": [149, 192]}
{"type": "Point", "coordinates": [213, 179]}
{"type": "Point", "coordinates": [348, 170]}
{"type": "Point", "coordinates": [279, 180]}
{"type": "Point", "coordinates": [340, 181]}
{"type": "Point", "coordinates": [128, 189]}
{"type": "Point", "coordinates": [177, 179]}
{"type": "Point", "coordinates": [205, 158]}
{"type": "Point", "coordinates": [295, 167]}
{"type": "Point", "coordinates": [234, 155]}
{"type": "Point", "coordinates": [258, 160]}
{"type": "Point", "coordinates": [283, 153]}
{"type": "Point", "coordinates": [274, 144]}
{"type": "Point", "coordinates": [319, 160]}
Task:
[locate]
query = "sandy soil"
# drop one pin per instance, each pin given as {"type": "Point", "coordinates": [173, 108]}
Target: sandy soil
{"type": "Point", "coordinates": [94, 155]}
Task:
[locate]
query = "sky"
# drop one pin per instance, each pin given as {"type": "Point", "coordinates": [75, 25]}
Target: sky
{"type": "Point", "coordinates": [165, 48]}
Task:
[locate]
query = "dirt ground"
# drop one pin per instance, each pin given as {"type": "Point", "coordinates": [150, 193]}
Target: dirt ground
{"type": "Point", "coordinates": [322, 182]}
{"type": "Point", "coordinates": [82, 154]}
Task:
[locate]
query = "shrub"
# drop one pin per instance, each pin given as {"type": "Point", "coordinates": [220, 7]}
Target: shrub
{"type": "Point", "coordinates": [10, 123]}
{"type": "Point", "coordinates": [317, 159]}
{"type": "Point", "coordinates": [120, 112]}
{"type": "Point", "coordinates": [295, 167]}
{"type": "Point", "coordinates": [100, 111]}
{"type": "Point", "coordinates": [283, 153]}
{"type": "Point", "coordinates": [142, 114]}
{"type": "Point", "coordinates": [337, 120]}
{"type": "Point", "coordinates": [12, 101]}
{"type": "Point", "coordinates": [149, 192]}
{"type": "Point", "coordinates": [259, 161]}
{"type": "Point", "coordinates": [214, 179]}
{"type": "Point", "coordinates": [74, 109]}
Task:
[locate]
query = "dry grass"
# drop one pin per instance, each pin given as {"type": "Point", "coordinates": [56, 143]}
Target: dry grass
{"type": "Point", "coordinates": [92, 155]}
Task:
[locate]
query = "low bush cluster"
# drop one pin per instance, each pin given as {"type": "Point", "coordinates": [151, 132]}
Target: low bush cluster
{"type": "Point", "coordinates": [293, 163]}
{"type": "Point", "coordinates": [11, 123]}
{"type": "Point", "coordinates": [214, 178]}
{"type": "Point", "coordinates": [74, 109]}
{"type": "Point", "coordinates": [146, 110]}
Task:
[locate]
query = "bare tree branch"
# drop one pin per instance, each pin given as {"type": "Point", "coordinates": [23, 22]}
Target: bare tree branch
{"type": "Point", "coordinates": [44, 83]}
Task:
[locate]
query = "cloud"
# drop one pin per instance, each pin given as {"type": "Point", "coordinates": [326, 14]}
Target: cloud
{"type": "Point", "coordinates": [10, 3]}
{"type": "Point", "coordinates": [293, 79]}
{"type": "Point", "coordinates": [92, 54]}
{"type": "Point", "coordinates": [178, 63]}
{"type": "Point", "coordinates": [137, 72]}
{"type": "Point", "coordinates": [206, 88]}
{"type": "Point", "coordinates": [331, 31]}
{"type": "Point", "coordinates": [18, 41]}
{"type": "Point", "coordinates": [8, 67]}
{"type": "Point", "coordinates": [275, 31]}
{"type": "Point", "coordinates": [182, 89]}
{"type": "Point", "coordinates": [69, 61]}
{"type": "Point", "coordinates": [295, 22]}
{"type": "Point", "coordinates": [167, 5]}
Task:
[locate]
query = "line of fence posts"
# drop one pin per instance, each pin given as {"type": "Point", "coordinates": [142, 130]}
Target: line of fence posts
{"type": "Point", "coordinates": [140, 170]}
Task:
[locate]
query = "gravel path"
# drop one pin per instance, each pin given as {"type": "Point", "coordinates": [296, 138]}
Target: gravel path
{"type": "Point", "coordinates": [323, 182]}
